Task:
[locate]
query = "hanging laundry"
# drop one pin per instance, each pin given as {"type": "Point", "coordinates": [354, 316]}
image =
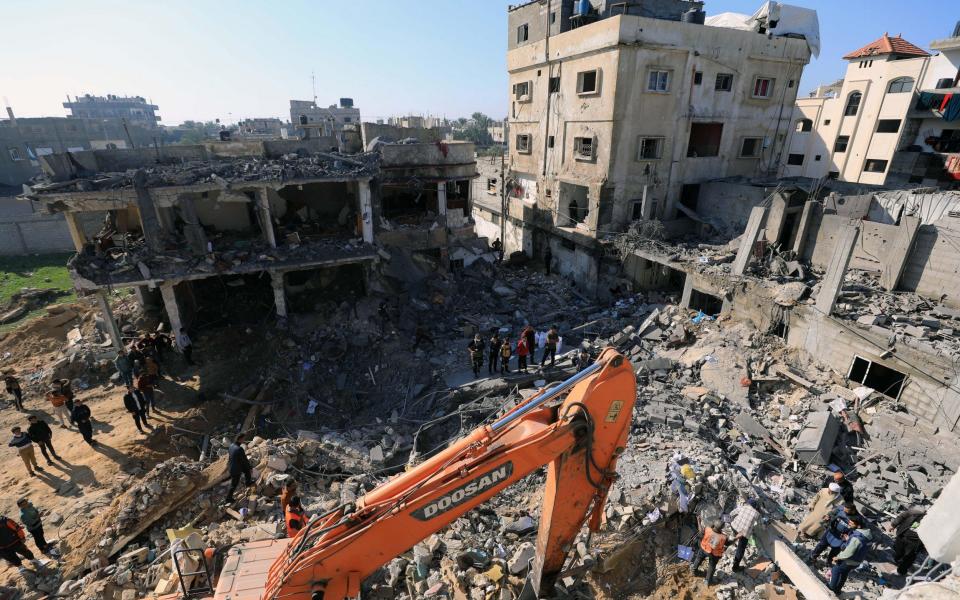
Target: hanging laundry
{"type": "Point", "coordinates": [928, 100]}
{"type": "Point", "coordinates": [945, 101]}
{"type": "Point", "coordinates": [952, 111]}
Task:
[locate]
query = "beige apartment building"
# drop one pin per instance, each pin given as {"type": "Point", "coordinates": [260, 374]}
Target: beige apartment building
{"type": "Point", "coordinates": [618, 117]}
{"type": "Point", "coordinates": [888, 122]}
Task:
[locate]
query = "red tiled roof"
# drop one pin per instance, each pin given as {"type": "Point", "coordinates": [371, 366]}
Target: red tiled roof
{"type": "Point", "coordinates": [888, 45]}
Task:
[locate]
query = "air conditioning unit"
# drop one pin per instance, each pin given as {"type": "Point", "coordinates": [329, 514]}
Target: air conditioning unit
{"type": "Point", "coordinates": [524, 98]}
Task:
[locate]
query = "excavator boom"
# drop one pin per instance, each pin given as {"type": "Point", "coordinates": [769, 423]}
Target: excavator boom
{"type": "Point", "coordinates": [578, 428]}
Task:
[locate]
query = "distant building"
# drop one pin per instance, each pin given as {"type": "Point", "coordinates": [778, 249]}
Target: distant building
{"type": "Point", "coordinates": [266, 128]}
{"type": "Point", "coordinates": [499, 131]}
{"type": "Point", "coordinates": [135, 109]}
{"type": "Point", "coordinates": [310, 120]}
{"type": "Point", "coordinates": [889, 121]}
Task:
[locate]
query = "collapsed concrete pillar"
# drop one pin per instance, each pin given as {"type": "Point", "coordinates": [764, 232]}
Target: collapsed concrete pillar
{"type": "Point", "coordinates": [776, 217]}
{"type": "Point", "coordinates": [810, 210]}
{"type": "Point", "coordinates": [76, 233]}
{"type": "Point", "coordinates": [193, 230]}
{"type": "Point", "coordinates": [687, 291]}
{"type": "Point", "coordinates": [279, 292]}
{"type": "Point", "coordinates": [442, 197]}
{"type": "Point", "coordinates": [805, 580]}
{"type": "Point", "coordinates": [168, 292]}
{"type": "Point", "coordinates": [266, 219]}
{"type": "Point", "coordinates": [366, 210]}
{"type": "Point", "coordinates": [112, 329]}
{"type": "Point", "coordinates": [750, 236]}
{"type": "Point", "coordinates": [833, 280]}
{"type": "Point", "coordinates": [149, 220]}
{"type": "Point", "coordinates": [895, 259]}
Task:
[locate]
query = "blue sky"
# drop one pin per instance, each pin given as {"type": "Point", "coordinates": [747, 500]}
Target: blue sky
{"type": "Point", "coordinates": [203, 59]}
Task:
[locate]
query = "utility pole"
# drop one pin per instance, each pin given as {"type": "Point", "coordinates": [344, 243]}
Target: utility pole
{"type": "Point", "coordinates": [504, 213]}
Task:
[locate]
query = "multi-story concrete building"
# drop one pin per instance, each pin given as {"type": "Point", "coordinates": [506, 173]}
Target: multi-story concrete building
{"type": "Point", "coordinates": [889, 121]}
{"type": "Point", "coordinates": [135, 109]}
{"type": "Point", "coordinates": [619, 114]}
{"type": "Point", "coordinates": [311, 120]}
{"type": "Point", "coordinates": [261, 129]}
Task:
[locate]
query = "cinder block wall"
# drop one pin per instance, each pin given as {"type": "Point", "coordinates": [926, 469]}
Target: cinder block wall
{"type": "Point", "coordinates": [933, 269]}
{"type": "Point", "coordinates": [42, 234]}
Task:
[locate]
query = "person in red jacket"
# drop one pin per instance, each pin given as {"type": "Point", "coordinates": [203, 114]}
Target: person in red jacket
{"type": "Point", "coordinates": [523, 351]}
{"type": "Point", "coordinates": [11, 542]}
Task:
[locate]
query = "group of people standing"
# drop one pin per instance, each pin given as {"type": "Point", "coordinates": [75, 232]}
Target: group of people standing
{"type": "Point", "coordinates": [499, 350]}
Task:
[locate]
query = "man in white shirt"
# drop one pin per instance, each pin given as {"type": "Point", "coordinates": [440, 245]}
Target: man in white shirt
{"type": "Point", "coordinates": [186, 346]}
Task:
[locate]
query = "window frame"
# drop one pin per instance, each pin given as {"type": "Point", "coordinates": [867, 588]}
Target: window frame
{"type": "Point", "coordinates": [553, 84]}
{"type": "Point", "coordinates": [698, 78]}
{"type": "Point", "coordinates": [529, 143]}
{"type": "Point", "coordinates": [804, 125]}
{"type": "Point", "coordinates": [759, 147]}
{"type": "Point", "coordinates": [578, 153]}
{"type": "Point", "coordinates": [899, 83]}
{"type": "Point", "coordinates": [642, 139]}
{"type": "Point", "coordinates": [15, 154]}
{"type": "Point", "coordinates": [803, 158]}
{"type": "Point", "coordinates": [528, 96]}
{"type": "Point", "coordinates": [769, 90]}
{"type": "Point", "coordinates": [846, 144]}
{"type": "Point", "coordinates": [866, 163]}
{"type": "Point", "coordinates": [581, 78]}
{"type": "Point", "coordinates": [883, 125]}
{"type": "Point", "coordinates": [728, 77]}
{"type": "Point", "coordinates": [849, 103]}
{"type": "Point", "coordinates": [525, 30]}
{"type": "Point", "coordinates": [667, 82]}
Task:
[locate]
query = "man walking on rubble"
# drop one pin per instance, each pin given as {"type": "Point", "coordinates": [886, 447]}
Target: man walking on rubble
{"type": "Point", "coordinates": [24, 445]}
{"type": "Point", "coordinates": [550, 347]}
{"type": "Point", "coordinates": [744, 518]}
{"type": "Point", "coordinates": [493, 353]}
{"type": "Point", "coordinates": [238, 465]}
{"type": "Point", "coordinates": [907, 544]}
{"type": "Point", "coordinates": [13, 388]}
{"type": "Point", "coordinates": [712, 545]}
{"type": "Point", "coordinates": [136, 405]}
{"type": "Point", "coordinates": [124, 367]}
{"type": "Point", "coordinates": [836, 532]}
{"type": "Point", "coordinates": [82, 417]}
{"type": "Point", "coordinates": [475, 350]}
{"type": "Point", "coordinates": [854, 552]}
{"type": "Point", "coordinates": [42, 435]}
{"type": "Point", "coordinates": [11, 543]}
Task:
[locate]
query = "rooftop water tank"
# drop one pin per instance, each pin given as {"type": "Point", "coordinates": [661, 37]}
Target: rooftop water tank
{"type": "Point", "coordinates": [346, 102]}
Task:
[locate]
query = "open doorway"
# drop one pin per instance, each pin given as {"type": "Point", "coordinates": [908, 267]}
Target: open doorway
{"type": "Point", "coordinates": [706, 303]}
{"type": "Point", "coordinates": [314, 211]}
{"type": "Point", "coordinates": [574, 205]}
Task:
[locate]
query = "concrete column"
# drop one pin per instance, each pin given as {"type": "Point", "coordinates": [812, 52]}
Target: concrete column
{"type": "Point", "coordinates": [803, 229]}
{"type": "Point", "coordinates": [366, 210]}
{"type": "Point", "coordinates": [108, 319]}
{"type": "Point", "coordinates": [896, 258]}
{"type": "Point", "coordinates": [646, 204]}
{"type": "Point", "coordinates": [193, 231]}
{"type": "Point", "coordinates": [149, 219]}
{"type": "Point", "coordinates": [76, 233]}
{"type": "Point", "coordinates": [833, 280]}
{"type": "Point", "coordinates": [169, 293]}
{"type": "Point", "coordinates": [442, 197]}
{"type": "Point", "coordinates": [750, 235]}
{"type": "Point", "coordinates": [279, 292]}
{"type": "Point", "coordinates": [687, 291]}
{"type": "Point", "coordinates": [266, 220]}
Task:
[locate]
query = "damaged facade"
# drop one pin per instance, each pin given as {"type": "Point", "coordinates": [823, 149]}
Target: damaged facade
{"type": "Point", "coordinates": [619, 117]}
{"type": "Point", "coordinates": [183, 225]}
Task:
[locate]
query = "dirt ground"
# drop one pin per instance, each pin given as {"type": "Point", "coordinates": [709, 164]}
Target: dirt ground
{"type": "Point", "coordinates": [84, 475]}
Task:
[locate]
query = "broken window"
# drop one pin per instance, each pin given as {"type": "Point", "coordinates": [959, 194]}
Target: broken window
{"type": "Point", "coordinates": [795, 159]}
{"type": "Point", "coordinates": [873, 165]}
{"type": "Point", "coordinates": [853, 104]}
{"type": "Point", "coordinates": [574, 204]}
{"type": "Point", "coordinates": [15, 154]}
{"type": "Point", "coordinates": [458, 193]}
{"type": "Point", "coordinates": [583, 148]}
{"type": "Point", "coordinates": [651, 148]}
{"type": "Point", "coordinates": [524, 143]}
{"type": "Point", "coordinates": [658, 81]}
{"type": "Point", "coordinates": [804, 125]}
{"type": "Point", "coordinates": [411, 204]}
{"type": "Point", "coordinates": [521, 91]}
{"type": "Point", "coordinates": [724, 82]}
{"type": "Point", "coordinates": [492, 186]}
{"type": "Point", "coordinates": [697, 77]}
{"type": "Point", "coordinates": [554, 85]}
{"type": "Point", "coordinates": [316, 211]}
{"type": "Point", "coordinates": [587, 82]}
{"type": "Point", "coordinates": [637, 213]}
{"type": "Point", "coordinates": [523, 33]}
{"type": "Point", "coordinates": [762, 87]}
{"type": "Point", "coordinates": [900, 85]}
{"type": "Point", "coordinates": [751, 147]}
{"type": "Point", "coordinates": [946, 82]}
{"type": "Point", "coordinates": [885, 380]}
{"type": "Point", "coordinates": [840, 146]}
{"type": "Point", "coordinates": [888, 125]}
{"type": "Point", "coordinates": [704, 139]}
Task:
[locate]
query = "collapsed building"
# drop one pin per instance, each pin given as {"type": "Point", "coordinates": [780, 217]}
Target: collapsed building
{"type": "Point", "coordinates": [186, 226]}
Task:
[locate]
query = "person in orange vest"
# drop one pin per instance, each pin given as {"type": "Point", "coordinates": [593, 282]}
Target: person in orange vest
{"type": "Point", "coordinates": [712, 545]}
{"type": "Point", "coordinates": [11, 543]}
{"type": "Point", "coordinates": [296, 518]}
{"type": "Point", "coordinates": [59, 403]}
{"type": "Point", "coordinates": [288, 492]}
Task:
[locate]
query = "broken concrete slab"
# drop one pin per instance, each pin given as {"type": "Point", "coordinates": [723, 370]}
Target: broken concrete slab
{"type": "Point", "coordinates": [815, 442]}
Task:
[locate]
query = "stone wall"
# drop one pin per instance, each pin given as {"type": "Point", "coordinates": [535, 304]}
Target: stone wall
{"type": "Point", "coordinates": [933, 269]}
{"type": "Point", "coordinates": [24, 231]}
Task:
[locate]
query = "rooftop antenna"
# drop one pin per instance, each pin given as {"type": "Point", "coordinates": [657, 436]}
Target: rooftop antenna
{"type": "Point", "coordinates": [313, 82]}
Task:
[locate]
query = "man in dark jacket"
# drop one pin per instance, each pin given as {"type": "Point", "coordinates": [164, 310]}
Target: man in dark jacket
{"type": "Point", "coordinates": [13, 388]}
{"type": "Point", "coordinates": [11, 542]}
{"type": "Point", "coordinates": [42, 435]}
{"type": "Point", "coordinates": [136, 405]}
{"type": "Point", "coordinates": [238, 464]}
{"type": "Point", "coordinates": [81, 416]}
{"type": "Point", "coordinates": [30, 517]}
{"type": "Point", "coordinates": [907, 543]}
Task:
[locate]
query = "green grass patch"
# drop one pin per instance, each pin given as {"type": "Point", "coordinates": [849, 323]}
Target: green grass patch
{"type": "Point", "coordinates": [45, 271]}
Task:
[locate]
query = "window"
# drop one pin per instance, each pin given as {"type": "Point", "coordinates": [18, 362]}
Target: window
{"type": "Point", "coordinates": [853, 104]}
{"type": "Point", "coordinates": [888, 125]}
{"type": "Point", "coordinates": [521, 91]}
{"type": "Point", "coordinates": [790, 84]}
{"type": "Point", "coordinates": [523, 143]}
{"type": "Point", "coordinates": [637, 213]}
{"type": "Point", "coordinates": [724, 82]}
{"type": "Point", "coordinates": [346, 119]}
{"type": "Point", "coordinates": [874, 165]}
{"type": "Point", "coordinates": [697, 77]}
{"type": "Point", "coordinates": [651, 148]}
{"type": "Point", "coordinates": [550, 142]}
{"type": "Point", "coordinates": [492, 186]}
{"type": "Point", "coordinates": [583, 147]}
{"type": "Point", "coordinates": [523, 33]}
{"type": "Point", "coordinates": [945, 83]}
{"type": "Point", "coordinates": [900, 86]}
{"type": "Point", "coordinates": [833, 175]}
{"type": "Point", "coordinates": [587, 82]}
{"type": "Point", "coordinates": [751, 147]}
{"type": "Point", "coordinates": [658, 81]}
{"type": "Point", "coordinates": [795, 159]}
{"type": "Point", "coordinates": [762, 87]}
{"type": "Point", "coordinates": [804, 125]}
{"type": "Point", "coordinates": [818, 157]}
{"type": "Point", "coordinates": [885, 380]}
{"type": "Point", "coordinates": [826, 121]}
{"type": "Point", "coordinates": [553, 17]}
{"type": "Point", "coordinates": [554, 85]}
{"type": "Point", "coordinates": [15, 154]}
{"type": "Point", "coordinates": [840, 146]}
{"type": "Point", "coordinates": [704, 139]}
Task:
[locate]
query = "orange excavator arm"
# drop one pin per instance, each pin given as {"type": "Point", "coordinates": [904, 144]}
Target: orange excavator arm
{"type": "Point", "coordinates": [579, 436]}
